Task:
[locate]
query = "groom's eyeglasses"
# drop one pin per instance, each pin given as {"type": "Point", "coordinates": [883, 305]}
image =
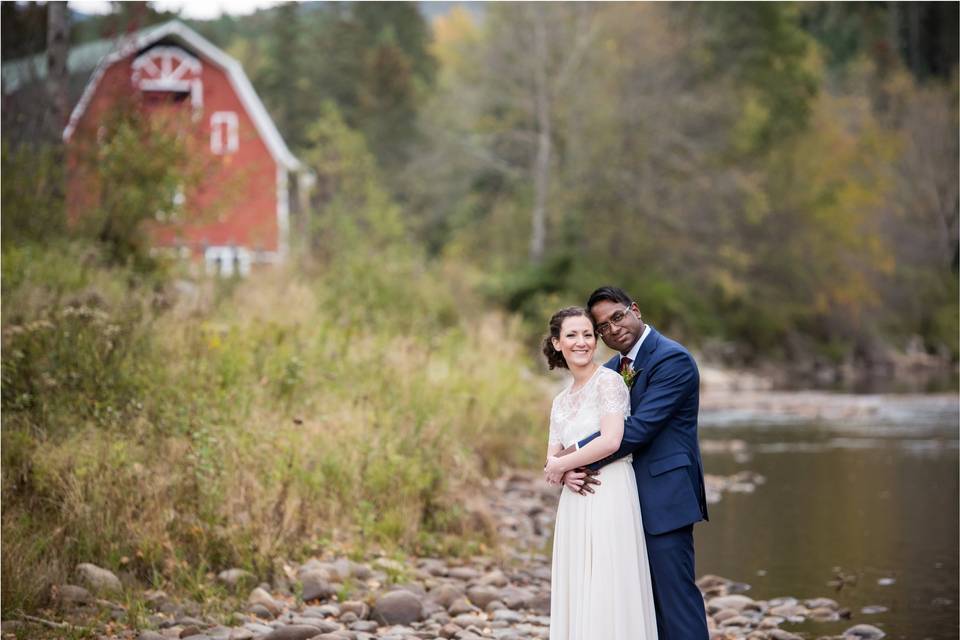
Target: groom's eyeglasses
{"type": "Point", "coordinates": [615, 319]}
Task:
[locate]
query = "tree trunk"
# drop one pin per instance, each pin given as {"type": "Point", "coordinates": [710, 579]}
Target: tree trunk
{"type": "Point", "coordinates": [57, 50]}
{"type": "Point", "coordinates": [541, 169]}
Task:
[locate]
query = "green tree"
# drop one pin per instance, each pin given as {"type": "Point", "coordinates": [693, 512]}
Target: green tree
{"type": "Point", "coordinates": [141, 170]}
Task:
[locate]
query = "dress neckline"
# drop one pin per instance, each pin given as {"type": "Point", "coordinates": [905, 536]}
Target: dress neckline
{"type": "Point", "coordinates": [571, 390]}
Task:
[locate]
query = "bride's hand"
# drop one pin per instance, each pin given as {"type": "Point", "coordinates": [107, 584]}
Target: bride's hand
{"type": "Point", "coordinates": [554, 467]}
{"type": "Point", "coordinates": [552, 478]}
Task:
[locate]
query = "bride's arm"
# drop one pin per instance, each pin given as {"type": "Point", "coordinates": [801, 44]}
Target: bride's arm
{"type": "Point", "coordinates": [611, 433]}
{"type": "Point", "coordinates": [552, 450]}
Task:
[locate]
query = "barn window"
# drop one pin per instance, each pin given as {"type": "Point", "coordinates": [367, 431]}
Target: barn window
{"type": "Point", "coordinates": [224, 132]}
{"type": "Point", "coordinates": [228, 261]}
{"type": "Point", "coordinates": [167, 74]}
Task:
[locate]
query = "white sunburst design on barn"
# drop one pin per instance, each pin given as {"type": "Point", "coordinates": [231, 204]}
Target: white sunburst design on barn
{"type": "Point", "coordinates": [166, 68]}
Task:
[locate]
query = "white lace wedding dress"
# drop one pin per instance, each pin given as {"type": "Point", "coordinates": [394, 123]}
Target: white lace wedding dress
{"type": "Point", "coordinates": [600, 587]}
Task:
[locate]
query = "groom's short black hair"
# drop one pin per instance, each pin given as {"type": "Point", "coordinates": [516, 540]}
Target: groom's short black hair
{"type": "Point", "coordinates": [613, 294]}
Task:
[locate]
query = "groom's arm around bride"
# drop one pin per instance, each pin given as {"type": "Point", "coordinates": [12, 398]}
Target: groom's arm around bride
{"type": "Point", "coordinates": [661, 434]}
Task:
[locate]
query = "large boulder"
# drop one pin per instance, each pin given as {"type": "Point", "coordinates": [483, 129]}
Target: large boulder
{"type": "Point", "coordinates": [98, 579]}
{"type": "Point", "coordinates": [316, 586]}
{"type": "Point", "coordinates": [397, 607]}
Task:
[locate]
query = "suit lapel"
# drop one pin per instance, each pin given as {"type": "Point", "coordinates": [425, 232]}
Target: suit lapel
{"type": "Point", "coordinates": [641, 365]}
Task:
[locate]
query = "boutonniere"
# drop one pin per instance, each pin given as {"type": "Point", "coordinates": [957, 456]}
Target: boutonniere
{"type": "Point", "coordinates": [629, 375]}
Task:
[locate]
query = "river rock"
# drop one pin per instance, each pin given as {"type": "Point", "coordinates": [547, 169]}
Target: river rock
{"type": "Point", "coordinates": [780, 634]}
{"type": "Point", "coordinates": [234, 577]}
{"type": "Point", "coordinates": [151, 635]}
{"type": "Point", "coordinates": [433, 566]}
{"type": "Point", "coordinates": [260, 597]}
{"type": "Point", "coordinates": [316, 586]}
{"type": "Point", "coordinates": [482, 596]}
{"type": "Point", "coordinates": [507, 615]}
{"type": "Point", "coordinates": [98, 579]}
{"type": "Point", "coordinates": [734, 602]}
{"type": "Point", "coordinates": [326, 626]}
{"type": "Point", "coordinates": [515, 597]}
{"type": "Point", "coordinates": [445, 594]}
{"type": "Point", "coordinates": [293, 632]}
{"type": "Point", "coordinates": [366, 626]}
{"type": "Point", "coordinates": [71, 595]}
{"type": "Point", "coordinates": [463, 573]}
{"type": "Point", "coordinates": [493, 605]}
{"type": "Point", "coordinates": [331, 609]}
{"type": "Point", "coordinates": [864, 632]}
{"type": "Point", "coordinates": [495, 578]}
{"type": "Point", "coordinates": [770, 622]}
{"type": "Point", "coordinates": [790, 611]}
{"type": "Point", "coordinates": [356, 607]}
{"type": "Point", "coordinates": [737, 621]}
{"type": "Point", "coordinates": [449, 630]}
{"type": "Point", "coordinates": [820, 603]}
{"type": "Point", "coordinates": [415, 588]}
{"type": "Point", "coordinates": [467, 619]}
{"type": "Point", "coordinates": [389, 564]}
{"type": "Point", "coordinates": [461, 605]}
{"type": "Point", "coordinates": [397, 607]}
{"type": "Point", "coordinates": [824, 614]}
{"type": "Point", "coordinates": [873, 608]}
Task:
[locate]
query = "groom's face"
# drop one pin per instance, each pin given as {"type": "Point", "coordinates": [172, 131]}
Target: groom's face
{"type": "Point", "coordinates": [619, 324]}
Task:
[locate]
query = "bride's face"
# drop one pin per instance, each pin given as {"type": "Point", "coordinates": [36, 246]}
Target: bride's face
{"type": "Point", "coordinates": [577, 341]}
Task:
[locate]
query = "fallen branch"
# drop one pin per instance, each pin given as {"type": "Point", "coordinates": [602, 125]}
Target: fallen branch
{"type": "Point", "coordinates": [49, 623]}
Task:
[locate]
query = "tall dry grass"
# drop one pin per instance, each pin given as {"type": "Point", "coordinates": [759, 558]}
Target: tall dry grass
{"type": "Point", "coordinates": [166, 429]}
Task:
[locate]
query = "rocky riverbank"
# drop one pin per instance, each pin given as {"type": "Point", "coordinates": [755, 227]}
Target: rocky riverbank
{"type": "Point", "coordinates": [503, 596]}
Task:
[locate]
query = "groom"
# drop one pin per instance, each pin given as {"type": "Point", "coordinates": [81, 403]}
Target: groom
{"type": "Point", "coordinates": [661, 433]}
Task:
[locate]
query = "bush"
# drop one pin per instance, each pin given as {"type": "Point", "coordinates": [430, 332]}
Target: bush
{"type": "Point", "coordinates": [360, 408]}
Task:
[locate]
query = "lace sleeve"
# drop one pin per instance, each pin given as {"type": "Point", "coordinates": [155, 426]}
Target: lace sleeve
{"type": "Point", "coordinates": [554, 427]}
{"type": "Point", "coordinates": [614, 397]}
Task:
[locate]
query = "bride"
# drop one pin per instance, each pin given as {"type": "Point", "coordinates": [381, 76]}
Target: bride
{"type": "Point", "coordinates": [600, 586]}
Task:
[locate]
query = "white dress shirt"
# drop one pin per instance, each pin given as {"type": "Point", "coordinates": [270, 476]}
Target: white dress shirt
{"type": "Point", "coordinates": [632, 354]}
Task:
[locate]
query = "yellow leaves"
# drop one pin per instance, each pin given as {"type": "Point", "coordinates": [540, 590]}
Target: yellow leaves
{"type": "Point", "coordinates": [452, 34]}
{"type": "Point", "coordinates": [754, 119]}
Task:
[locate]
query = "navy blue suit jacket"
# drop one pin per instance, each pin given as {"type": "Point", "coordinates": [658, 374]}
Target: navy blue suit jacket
{"type": "Point", "coordinates": [661, 433]}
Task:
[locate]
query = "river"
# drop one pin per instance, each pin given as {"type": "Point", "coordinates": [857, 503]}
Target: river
{"type": "Point", "coordinates": [859, 504]}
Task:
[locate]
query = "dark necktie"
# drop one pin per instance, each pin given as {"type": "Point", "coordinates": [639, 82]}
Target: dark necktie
{"type": "Point", "coordinates": [624, 363]}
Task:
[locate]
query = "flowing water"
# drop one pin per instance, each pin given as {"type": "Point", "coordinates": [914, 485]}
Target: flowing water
{"type": "Point", "coordinates": [873, 498]}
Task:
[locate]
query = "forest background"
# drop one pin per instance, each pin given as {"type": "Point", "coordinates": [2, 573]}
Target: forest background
{"type": "Point", "coordinates": [776, 183]}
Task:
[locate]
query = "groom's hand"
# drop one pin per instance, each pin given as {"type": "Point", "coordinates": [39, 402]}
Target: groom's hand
{"type": "Point", "coordinates": [567, 451]}
{"type": "Point", "coordinates": [580, 480]}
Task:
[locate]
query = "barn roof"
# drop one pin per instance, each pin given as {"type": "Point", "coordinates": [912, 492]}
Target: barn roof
{"type": "Point", "coordinates": [177, 31]}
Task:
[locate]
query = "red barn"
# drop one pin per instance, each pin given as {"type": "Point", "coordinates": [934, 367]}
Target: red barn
{"type": "Point", "coordinates": [249, 173]}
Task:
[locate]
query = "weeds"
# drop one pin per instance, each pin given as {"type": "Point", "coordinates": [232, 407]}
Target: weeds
{"type": "Point", "coordinates": [358, 407]}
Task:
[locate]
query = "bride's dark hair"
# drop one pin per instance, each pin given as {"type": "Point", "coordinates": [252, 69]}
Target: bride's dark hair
{"type": "Point", "coordinates": [555, 358]}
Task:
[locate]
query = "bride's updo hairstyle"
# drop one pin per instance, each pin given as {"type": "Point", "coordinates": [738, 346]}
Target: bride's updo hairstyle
{"type": "Point", "coordinates": [555, 358]}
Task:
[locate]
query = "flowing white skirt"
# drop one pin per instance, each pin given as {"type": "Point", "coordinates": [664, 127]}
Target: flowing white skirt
{"type": "Point", "coordinates": [600, 585]}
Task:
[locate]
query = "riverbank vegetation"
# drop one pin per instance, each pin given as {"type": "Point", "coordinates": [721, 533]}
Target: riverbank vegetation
{"type": "Point", "coordinates": [773, 182]}
{"type": "Point", "coordinates": [166, 426]}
